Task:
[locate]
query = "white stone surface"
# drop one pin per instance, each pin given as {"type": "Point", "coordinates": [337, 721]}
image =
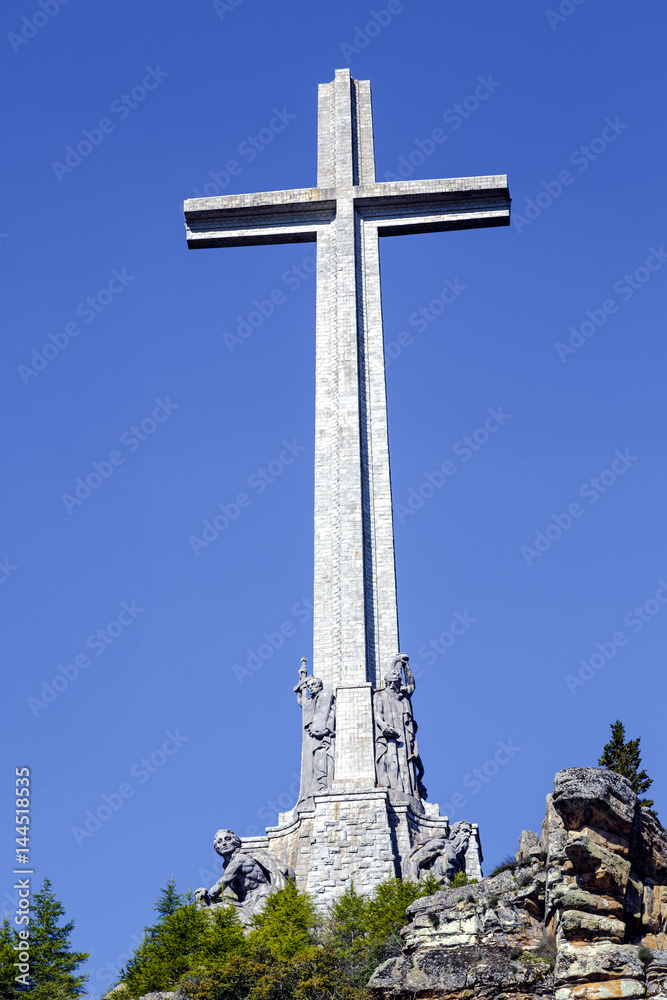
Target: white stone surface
{"type": "Point", "coordinates": [355, 615]}
{"type": "Point", "coordinates": [361, 836]}
{"type": "Point", "coordinates": [357, 830]}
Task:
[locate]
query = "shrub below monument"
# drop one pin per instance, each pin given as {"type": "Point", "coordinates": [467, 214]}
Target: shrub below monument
{"type": "Point", "coordinates": [184, 938]}
{"type": "Point", "coordinates": [315, 974]}
{"type": "Point", "coordinates": [287, 954]}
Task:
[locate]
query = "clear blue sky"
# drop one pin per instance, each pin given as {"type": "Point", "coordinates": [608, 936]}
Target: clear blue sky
{"type": "Point", "coordinates": [571, 107]}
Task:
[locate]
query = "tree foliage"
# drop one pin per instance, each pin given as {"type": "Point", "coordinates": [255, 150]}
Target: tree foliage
{"type": "Point", "coordinates": [285, 926]}
{"type": "Point", "coordinates": [52, 961]}
{"type": "Point", "coordinates": [288, 954]}
{"type": "Point", "coordinates": [312, 976]}
{"type": "Point", "coordinates": [8, 938]}
{"type": "Point", "coordinates": [184, 938]}
{"type": "Point", "coordinates": [169, 899]}
{"type": "Point", "coordinates": [624, 758]}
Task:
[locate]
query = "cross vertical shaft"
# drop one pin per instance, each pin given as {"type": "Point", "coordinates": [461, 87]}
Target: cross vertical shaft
{"type": "Point", "coordinates": [355, 612]}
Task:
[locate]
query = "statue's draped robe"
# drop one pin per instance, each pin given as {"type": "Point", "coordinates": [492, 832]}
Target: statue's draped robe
{"type": "Point", "coordinates": [319, 714]}
{"type": "Point", "coordinates": [394, 757]}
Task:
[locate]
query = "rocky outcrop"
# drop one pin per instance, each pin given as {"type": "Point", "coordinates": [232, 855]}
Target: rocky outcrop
{"type": "Point", "coordinates": [581, 915]}
{"type": "Point", "coordinates": [161, 996]}
{"type": "Point", "coordinates": [121, 992]}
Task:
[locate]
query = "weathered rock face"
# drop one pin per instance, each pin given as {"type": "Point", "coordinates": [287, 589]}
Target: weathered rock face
{"type": "Point", "coordinates": [573, 920]}
{"type": "Point", "coordinates": [479, 940]}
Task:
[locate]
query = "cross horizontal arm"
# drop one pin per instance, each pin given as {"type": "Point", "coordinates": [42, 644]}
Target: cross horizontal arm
{"type": "Point", "coordinates": [433, 206]}
{"type": "Point", "coordinates": [252, 219]}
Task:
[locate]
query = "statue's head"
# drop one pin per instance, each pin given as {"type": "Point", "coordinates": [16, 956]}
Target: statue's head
{"type": "Point", "coordinates": [394, 677]}
{"type": "Point", "coordinates": [461, 832]}
{"type": "Point", "coordinates": [225, 843]}
{"type": "Point", "coordinates": [393, 680]}
{"type": "Point", "coordinates": [314, 685]}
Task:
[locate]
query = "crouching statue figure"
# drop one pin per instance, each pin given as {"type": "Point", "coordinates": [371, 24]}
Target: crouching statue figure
{"type": "Point", "coordinates": [441, 856]}
{"type": "Point", "coordinates": [247, 878]}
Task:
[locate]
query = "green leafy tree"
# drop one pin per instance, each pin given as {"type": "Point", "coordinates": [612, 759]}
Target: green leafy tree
{"type": "Point", "coordinates": [53, 964]}
{"type": "Point", "coordinates": [624, 758]}
{"type": "Point", "coordinates": [285, 926]}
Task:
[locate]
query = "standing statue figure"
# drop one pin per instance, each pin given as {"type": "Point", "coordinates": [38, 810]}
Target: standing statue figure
{"type": "Point", "coordinates": [318, 706]}
{"type": "Point", "coordinates": [247, 879]}
{"type": "Point", "coordinates": [398, 764]}
{"type": "Point", "coordinates": [442, 856]}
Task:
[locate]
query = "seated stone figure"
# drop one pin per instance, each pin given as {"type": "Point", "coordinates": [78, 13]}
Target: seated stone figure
{"type": "Point", "coordinates": [247, 879]}
{"type": "Point", "coordinates": [440, 856]}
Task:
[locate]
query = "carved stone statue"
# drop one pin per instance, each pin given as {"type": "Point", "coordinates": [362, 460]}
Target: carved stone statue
{"type": "Point", "coordinates": [318, 705]}
{"type": "Point", "coordinates": [247, 879]}
{"type": "Point", "coordinates": [398, 764]}
{"type": "Point", "coordinates": [440, 856]}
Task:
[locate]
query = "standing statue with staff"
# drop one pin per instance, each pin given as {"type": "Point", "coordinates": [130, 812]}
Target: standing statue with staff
{"type": "Point", "coordinates": [318, 706]}
{"type": "Point", "coordinates": [398, 764]}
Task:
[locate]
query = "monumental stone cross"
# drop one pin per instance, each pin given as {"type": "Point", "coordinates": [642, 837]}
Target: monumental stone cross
{"type": "Point", "coordinates": [355, 631]}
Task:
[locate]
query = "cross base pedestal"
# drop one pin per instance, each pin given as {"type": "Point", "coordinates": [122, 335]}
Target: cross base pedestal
{"type": "Point", "coordinates": [357, 836]}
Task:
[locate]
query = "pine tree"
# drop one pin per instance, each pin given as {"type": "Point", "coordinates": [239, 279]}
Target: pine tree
{"type": "Point", "coordinates": [624, 758]}
{"type": "Point", "coordinates": [223, 936]}
{"type": "Point", "coordinates": [8, 955]}
{"type": "Point", "coordinates": [52, 961]}
{"type": "Point", "coordinates": [385, 917]}
{"type": "Point", "coordinates": [169, 900]}
{"type": "Point", "coordinates": [285, 926]}
{"type": "Point", "coordinates": [347, 932]}
{"type": "Point", "coordinates": [169, 949]}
